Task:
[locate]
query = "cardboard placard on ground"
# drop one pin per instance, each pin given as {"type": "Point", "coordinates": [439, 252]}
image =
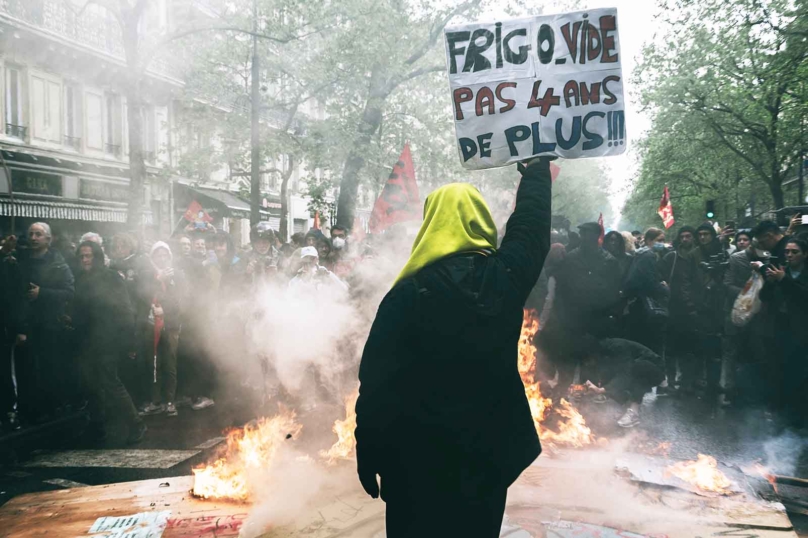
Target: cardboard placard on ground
{"type": "Point", "coordinates": [549, 85]}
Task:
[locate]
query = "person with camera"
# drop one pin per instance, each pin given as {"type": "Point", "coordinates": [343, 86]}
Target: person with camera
{"type": "Point", "coordinates": [262, 262]}
{"type": "Point", "coordinates": [711, 262]}
{"type": "Point", "coordinates": [786, 293]}
{"type": "Point", "coordinates": [312, 276]}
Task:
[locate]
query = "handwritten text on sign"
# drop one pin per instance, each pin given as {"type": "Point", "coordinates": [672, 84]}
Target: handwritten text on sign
{"type": "Point", "coordinates": [548, 85]}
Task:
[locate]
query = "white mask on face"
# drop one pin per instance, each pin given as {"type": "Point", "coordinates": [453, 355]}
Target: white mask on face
{"type": "Point", "coordinates": [339, 243]}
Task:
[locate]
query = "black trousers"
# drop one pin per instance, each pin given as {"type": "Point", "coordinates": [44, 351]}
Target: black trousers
{"type": "Point", "coordinates": [107, 392]}
{"type": "Point", "coordinates": [442, 502]}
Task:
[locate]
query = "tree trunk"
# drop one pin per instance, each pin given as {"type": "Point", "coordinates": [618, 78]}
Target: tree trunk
{"type": "Point", "coordinates": [287, 174]}
{"type": "Point", "coordinates": [134, 102]}
{"type": "Point", "coordinates": [371, 120]}
{"type": "Point", "coordinates": [776, 188]}
{"type": "Point", "coordinates": [255, 150]}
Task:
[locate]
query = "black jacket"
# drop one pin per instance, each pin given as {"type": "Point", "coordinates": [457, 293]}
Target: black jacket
{"type": "Point", "coordinates": [440, 387]}
{"type": "Point", "coordinates": [588, 286]}
{"type": "Point", "coordinates": [103, 316]}
{"type": "Point", "coordinates": [644, 278]}
{"type": "Point", "coordinates": [55, 280]}
{"type": "Point", "coordinates": [678, 269]}
{"type": "Point", "coordinates": [789, 303]}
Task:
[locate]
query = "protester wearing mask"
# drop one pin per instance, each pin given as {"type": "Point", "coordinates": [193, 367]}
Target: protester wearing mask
{"type": "Point", "coordinates": [439, 360]}
{"type": "Point", "coordinates": [164, 322]}
{"type": "Point", "coordinates": [645, 285]}
{"type": "Point", "coordinates": [678, 269]}
{"type": "Point", "coordinates": [103, 319]}
{"type": "Point", "coordinates": [786, 291]}
{"type": "Point", "coordinates": [312, 276]}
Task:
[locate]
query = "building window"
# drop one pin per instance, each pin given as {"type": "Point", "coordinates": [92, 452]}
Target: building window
{"type": "Point", "coordinates": [14, 122]}
{"type": "Point", "coordinates": [95, 120]}
{"type": "Point", "coordinates": [72, 117]}
{"type": "Point", "coordinates": [149, 134]}
{"type": "Point", "coordinates": [114, 121]}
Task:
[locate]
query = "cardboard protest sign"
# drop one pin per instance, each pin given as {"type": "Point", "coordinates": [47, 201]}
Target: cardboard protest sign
{"type": "Point", "coordinates": [550, 85]}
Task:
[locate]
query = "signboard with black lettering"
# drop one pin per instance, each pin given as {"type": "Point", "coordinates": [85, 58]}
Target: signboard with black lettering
{"type": "Point", "coordinates": [549, 85]}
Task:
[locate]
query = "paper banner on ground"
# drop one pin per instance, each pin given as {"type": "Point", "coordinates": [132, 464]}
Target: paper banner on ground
{"type": "Point", "coordinates": [141, 525]}
{"type": "Point", "coordinates": [550, 85]}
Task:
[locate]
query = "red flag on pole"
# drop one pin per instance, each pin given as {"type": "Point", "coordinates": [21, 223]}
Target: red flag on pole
{"type": "Point", "coordinates": [399, 201]}
{"type": "Point", "coordinates": [602, 230]}
{"type": "Point", "coordinates": [316, 220]}
{"type": "Point", "coordinates": [665, 211]}
{"type": "Point", "coordinates": [196, 213]}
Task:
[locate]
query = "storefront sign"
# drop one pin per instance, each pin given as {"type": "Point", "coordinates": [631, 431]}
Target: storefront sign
{"type": "Point", "coordinates": [99, 190]}
{"type": "Point", "coordinates": [31, 182]}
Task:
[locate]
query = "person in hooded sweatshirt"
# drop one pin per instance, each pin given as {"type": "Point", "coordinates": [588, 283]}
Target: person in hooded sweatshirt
{"type": "Point", "coordinates": [167, 291]}
{"type": "Point", "coordinates": [442, 415]}
{"type": "Point", "coordinates": [104, 319]}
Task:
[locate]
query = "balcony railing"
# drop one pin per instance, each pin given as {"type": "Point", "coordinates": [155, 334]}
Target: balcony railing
{"type": "Point", "coordinates": [16, 130]}
{"type": "Point", "coordinates": [73, 142]}
{"type": "Point", "coordinates": [95, 28]}
{"type": "Point", "coordinates": [113, 149]}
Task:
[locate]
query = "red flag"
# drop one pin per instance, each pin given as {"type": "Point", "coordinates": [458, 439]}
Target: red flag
{"type": "Point", "coordinates": [399, 201]}
{"type": "Point", "coordinates": [196, 213]}
{"type": "Point", "coordinates": [602, 230]}
{"type": "Point", "coordinates": [665, 211]}
{"type": "Point", "coordinates": [316, 220]}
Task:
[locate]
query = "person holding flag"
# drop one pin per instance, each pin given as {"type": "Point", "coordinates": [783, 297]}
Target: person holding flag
{"type": "Point", "coordinates": [439, 362]}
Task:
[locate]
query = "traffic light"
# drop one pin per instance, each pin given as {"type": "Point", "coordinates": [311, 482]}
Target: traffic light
{"type": "Point", "coordinates": [709, 212]}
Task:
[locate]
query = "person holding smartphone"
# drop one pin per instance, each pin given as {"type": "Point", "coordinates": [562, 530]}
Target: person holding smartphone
{"type": "Point", "coordinates": [786, 291]}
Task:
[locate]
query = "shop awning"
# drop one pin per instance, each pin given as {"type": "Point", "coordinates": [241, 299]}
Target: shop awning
{"type": "Point", "coordinates": [229, 204]}
{"type": "Point", "coordinates": [63, 210]}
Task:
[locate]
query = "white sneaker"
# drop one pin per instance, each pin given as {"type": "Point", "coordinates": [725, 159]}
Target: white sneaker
{"type": "Point", "coordinates": [202, 403]}
{"type": "Point", "coordinates": [629, 420]}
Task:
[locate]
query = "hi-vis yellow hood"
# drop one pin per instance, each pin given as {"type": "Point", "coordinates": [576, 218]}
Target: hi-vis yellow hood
{"type": "Point", "coordinates": [456, 219]}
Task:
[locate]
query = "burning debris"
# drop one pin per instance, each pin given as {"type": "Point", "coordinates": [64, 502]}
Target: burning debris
{"type": "Point", "coordinates": [249, 449]}
{"type": "Point", "coordinates": [702, 473]}
{"type": "Point", "coordinates": [572, 428]}
{"type": "Point", "coordinates": [344, 448]}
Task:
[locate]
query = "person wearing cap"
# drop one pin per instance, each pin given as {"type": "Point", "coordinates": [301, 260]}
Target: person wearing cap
{"type": "Point", "coordinates": [312, 275]}
{"type": "Point", "coordinates": [442, 415]}
{"type": "Point", "coordinates": [587, 301]}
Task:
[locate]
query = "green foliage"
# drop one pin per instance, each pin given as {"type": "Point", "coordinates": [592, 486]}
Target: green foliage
{"type": "Point", "coordinates": [726, 86]}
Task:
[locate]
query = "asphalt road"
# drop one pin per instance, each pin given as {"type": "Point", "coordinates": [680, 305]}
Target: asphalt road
{"type": "Point", "coordinates": [174, 445]}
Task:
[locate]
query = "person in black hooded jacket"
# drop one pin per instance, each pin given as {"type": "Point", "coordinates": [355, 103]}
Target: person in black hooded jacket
{"type": "Point", "coordinates": [442, 415]}
{"type": "Point", "coordinates": [104, 321]}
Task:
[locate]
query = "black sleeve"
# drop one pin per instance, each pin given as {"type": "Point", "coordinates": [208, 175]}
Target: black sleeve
{"type": "Point", "coordinates": [62, 291]}
{"type": "Point", "coordinates": [384, 361]}
{"type": "Point", "coordinates": [527, 235]}
{"type": "Point", "coordinates": [642, 276]}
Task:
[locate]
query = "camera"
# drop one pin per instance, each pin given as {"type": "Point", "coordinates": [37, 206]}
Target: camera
{"type": "Point", "coordinates": [771, 262]}
{"type": "Point", "coordinates": [716, 262]}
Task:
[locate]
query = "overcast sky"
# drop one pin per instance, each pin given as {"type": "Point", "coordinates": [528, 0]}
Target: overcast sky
{"type": "Point", "coordinates": [637, 26]}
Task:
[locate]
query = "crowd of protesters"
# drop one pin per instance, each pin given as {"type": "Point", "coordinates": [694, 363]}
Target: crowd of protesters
{"type": "Point", "coordinates": [115, 327]}
{"type": "Point", "coordinates": [119, 329]}
{"type": "Point", "coordinates": [626, 312]}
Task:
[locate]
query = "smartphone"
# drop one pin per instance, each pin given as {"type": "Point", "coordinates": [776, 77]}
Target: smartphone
{"type": "Point", "coordinates": [730, 224]}
{"type": "Point", "coordinates": [805, 219]}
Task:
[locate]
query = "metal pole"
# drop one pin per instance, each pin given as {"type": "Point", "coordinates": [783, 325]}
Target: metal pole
{"type": "Point", "coordinates": [7, 171]}
{"type": "Point", "coordinates": [255, 111]}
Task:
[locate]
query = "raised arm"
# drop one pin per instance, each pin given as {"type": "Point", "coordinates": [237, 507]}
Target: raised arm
{"type": "Point", "coordinates": [527, 235]}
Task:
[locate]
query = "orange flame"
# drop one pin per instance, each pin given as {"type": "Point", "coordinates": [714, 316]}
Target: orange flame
{"type": "Point", "coordinates": [249, 449]}
{"type": "Point", "coordinates": [703, 473]}
{"type": "Point", "coordinates": [766, 473]}
{"type": "Point", "coordinates": [343, 449]}
{"type": "Point", "coordinates": [573, 430]}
